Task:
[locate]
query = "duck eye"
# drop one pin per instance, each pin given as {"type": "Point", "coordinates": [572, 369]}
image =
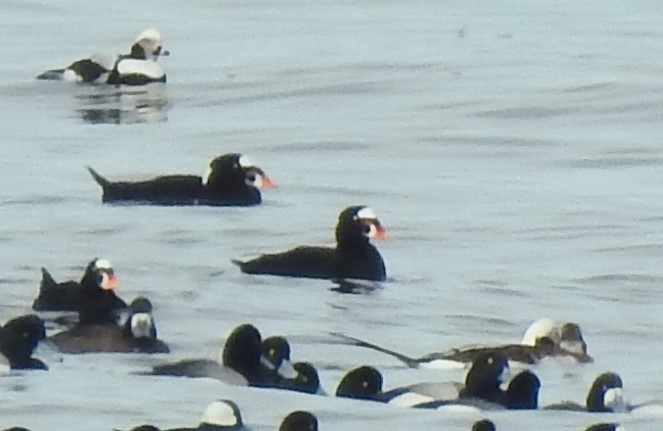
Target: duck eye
{"type": "Point", "coordinates": [100, 279]}
{"type": "Point", "coordinates": [251, 177]}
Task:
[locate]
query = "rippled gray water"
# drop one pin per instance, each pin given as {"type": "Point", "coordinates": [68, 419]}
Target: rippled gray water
{"type": "Point", "coordinates": [511, 148]}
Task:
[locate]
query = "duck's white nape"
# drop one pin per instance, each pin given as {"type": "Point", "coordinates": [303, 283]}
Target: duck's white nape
{"type": "Point", "coordinates": [245, 162]}
{"type": "Point", "coordinates": [147, 68]}
{"type": "Point", "coordinates": [221, 413]}
{"type": "Point", "coordinates": [544, 327]}
{"type": "Point", "coordinates": [367, 213]}
{"type": "Point", "coordinates": [208, 172]}
{"type": "Point", "coordinates": [103, 264]}
{"type": "Point", "coordinates": [141, 325]}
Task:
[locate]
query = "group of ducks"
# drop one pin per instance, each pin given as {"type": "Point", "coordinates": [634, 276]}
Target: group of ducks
{"type": "Point", "coordinates": [105, 323]}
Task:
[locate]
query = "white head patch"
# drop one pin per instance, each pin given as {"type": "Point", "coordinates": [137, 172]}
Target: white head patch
{"type": "Point", "coordinates": [366, 213]}
{"type": "Point", "coordinates": [103, 264]}
{"type": "Point", "coordinates": [150, 36]}
{"type": "Point", "coordinates": [220, 413]}
{"type": "Point", "coordinates": [245, 162]}
{"type": "Point", "coordinates": [141, 325]}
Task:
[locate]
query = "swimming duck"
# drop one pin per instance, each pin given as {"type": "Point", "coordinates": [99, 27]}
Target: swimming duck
{"type": "Point", "coordinates": [353, 257]}
{"type": "Point", "coordinates": [97, 285]}
{"type": "Point", "coordinates": [231, 180]}
{"type": "Point", "coordinates": [241, 362]}
{"type": "Point", "coordinates": [136, 68]}
{"type": "Point", "coordinates": [19, 338]}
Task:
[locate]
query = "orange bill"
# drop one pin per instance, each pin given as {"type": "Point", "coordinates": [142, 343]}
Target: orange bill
{"type": "Point", "coordinates": [110, 283]}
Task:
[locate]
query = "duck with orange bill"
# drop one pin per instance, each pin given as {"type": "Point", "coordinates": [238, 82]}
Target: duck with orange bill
{"type": "Point", "coordinates": [354, 257]}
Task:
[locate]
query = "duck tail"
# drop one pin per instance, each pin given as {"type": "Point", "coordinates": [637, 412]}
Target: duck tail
{"type": "Point", "coordinates": [410, 362]}
{"type": "Point", "coordinates": [47, 280]}
{"type": "Point", "coordinates": [103, 182]}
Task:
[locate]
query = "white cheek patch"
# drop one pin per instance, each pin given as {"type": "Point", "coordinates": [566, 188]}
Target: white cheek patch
{"type": "Point", "coordinates": [613, 399]}
{"type": "Point", "coordinates": [367, 213]}
{"type": "Point", "coordinates": [147, 68]}
{"type": "Point", "coordinates": [141, 325]}
{"type": "Point", "coordinates": [208, 172]}
{"type": "Point", "coordinates": [245, 162]}
{"type": "Point", "coordinates": [220, 413]}
{"type": "Point", "coordinates": [103, 264]}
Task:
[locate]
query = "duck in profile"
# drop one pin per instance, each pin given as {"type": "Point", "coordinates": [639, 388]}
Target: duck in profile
{"type": "Point", "coordinates": [567, 338]}
{"type": "Point", "coordinates": [605, 396]}
{"type": "Point", "coordinates": [241, 362]}
{"type": "Point", "coordinates": [543, 347]}
{"type": "Point", "coordinates": [354, 257]}
{"type": "Point", "coordinates": [231, 180]}
{"type": "Point", "coordinates": [138, 334]}
{"type": "Point", "coordinates": [138, 67]}
{"type": "Point", "coordinates": [19, 338]}
{"type": "Point", "coordinates": [99, 277]}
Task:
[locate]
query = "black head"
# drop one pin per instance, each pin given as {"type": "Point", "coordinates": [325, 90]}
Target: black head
{"type": "Point", "coordinates": [523, 392]}
{"type": "Point", "coordinates": [605, 395]}
{"type": "Point", "coordinates": [483, 425]}
{"type": "Point", "coordinates": [485, 377]}
{"type": "Point", "coordinates": [99, 274]}
{"type": "Point", "coordinates": [307, 379]}
{"type": "Point", "coordinates": [24, 334]}
{"type": "Point", "coordinates": [276, 350]}
{"type": "Point", "coordinates": [140, 305]}
{"type": "Point", "coordinates": [605, 426]}
{"type": "Point", "coordinates": [364, 383]}
{"type": "Point", "coordinates": [358, 224]}
{"type": "Point", "coordinates": [234, 170]}
{"type": "Point", "coordinates": [243, 348]}
{"type": "Point", "coordinates": [299, 421]}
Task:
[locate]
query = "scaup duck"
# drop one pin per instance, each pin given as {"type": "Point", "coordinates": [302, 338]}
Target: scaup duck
{"type": "Point", "coordinates": [241, 362]}
{"type": "Point", "coordinates": [605, 396]}
{"type": "Point", "coordinates": [98, 277]}
{"type": "Point", "coordinates": [231, 180]}
{"type": "Point", "coordinates": [354, 257]}
{"type": "Point", "coordinates": [19, 338]}
{"type": "Point", "coordinates": [138, 334]}
{"type": "Point", "coordinates": [482, 382]}
{"type": "Point", "coordinates": [136, 68]}
{"type": "Point", "coordinates": [307, 380]}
